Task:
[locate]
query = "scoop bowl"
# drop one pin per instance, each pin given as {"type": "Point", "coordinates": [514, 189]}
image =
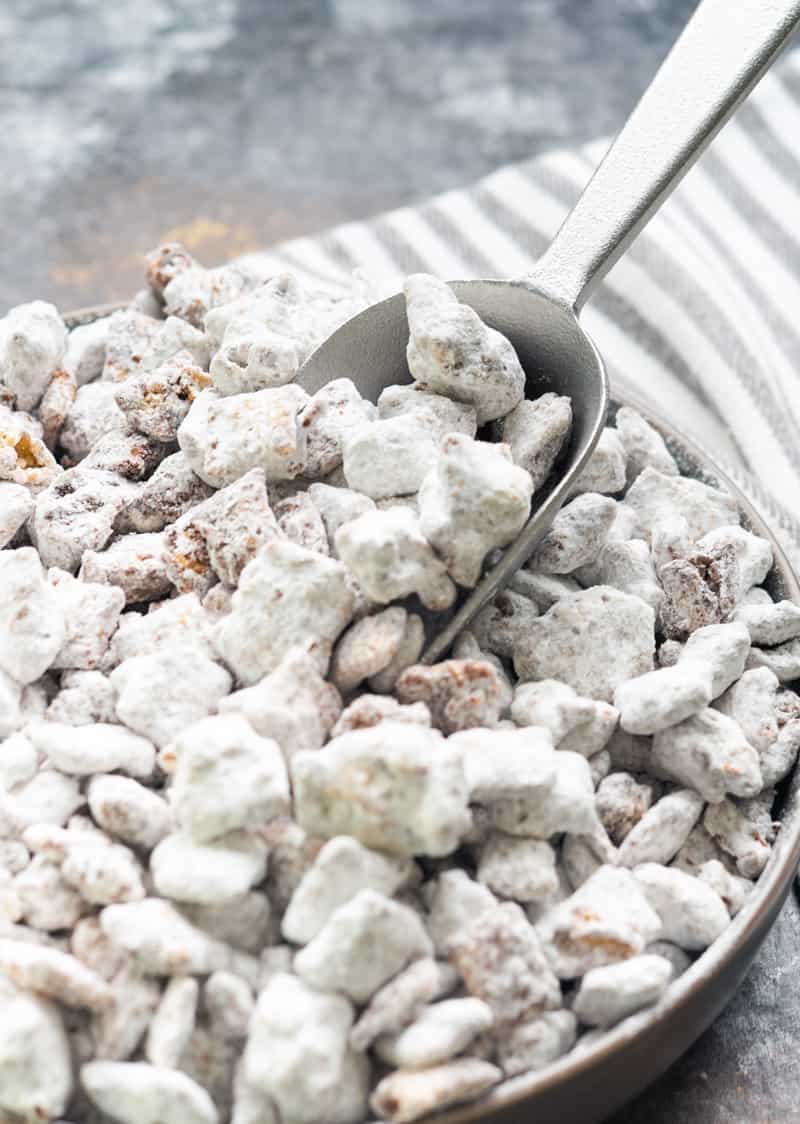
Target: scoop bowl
{"type": "Point", "coordinates": [556, 355]}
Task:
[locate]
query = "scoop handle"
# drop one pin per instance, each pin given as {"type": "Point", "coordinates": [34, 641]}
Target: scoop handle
{"type": "Point", "coordinates": [724, 50]}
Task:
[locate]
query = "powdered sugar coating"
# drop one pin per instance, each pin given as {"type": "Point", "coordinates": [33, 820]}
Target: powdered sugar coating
{"type": "Point", "coordinates": [578, 817]}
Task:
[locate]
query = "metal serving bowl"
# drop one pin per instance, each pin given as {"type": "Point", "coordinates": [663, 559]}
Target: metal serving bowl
{"type": "Point", "coordinates": [586, 1086]}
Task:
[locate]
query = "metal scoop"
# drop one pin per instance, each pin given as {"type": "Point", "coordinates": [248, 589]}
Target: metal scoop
{"type": "Point", "coordinates": [723, 51]}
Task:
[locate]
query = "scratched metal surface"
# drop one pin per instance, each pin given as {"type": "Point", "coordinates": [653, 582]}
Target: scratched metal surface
{"type": "Point", "coordinates": [235, 123]}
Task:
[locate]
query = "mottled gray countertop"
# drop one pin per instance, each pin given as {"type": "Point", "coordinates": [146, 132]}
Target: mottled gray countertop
{"type": "Point", "coordinates": [235, 123]}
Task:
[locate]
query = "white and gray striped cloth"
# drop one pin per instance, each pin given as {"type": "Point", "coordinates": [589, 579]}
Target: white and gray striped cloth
{"type": "Point", "coordinates": [702, 315]}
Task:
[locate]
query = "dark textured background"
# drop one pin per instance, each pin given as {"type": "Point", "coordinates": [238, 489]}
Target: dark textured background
{"type": "Point", "coordinates": [234, 123]}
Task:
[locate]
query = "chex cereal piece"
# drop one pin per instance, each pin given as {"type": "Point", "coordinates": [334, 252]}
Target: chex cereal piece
{"type": "Point", "coordinates": [126, 809]}
{"type": "Point", "coordinates": [173, 489]}
{"type": "Point", "coordinates": [389, 456]}
{"type": "Point", "coordinates": [577, 535]}
{"type": "Point", "coordinates": [91, 615]}
{"type": "Point", "coordinates": [397, 1003]}
{"type": "Point", "coordinates": [389, 556]}
{"type": "Point", "coordinates": [367, 648]}
{"type": "Point", "coordinates": [644, 446]}
{"type": "Point", "coordinates": [287, 597]}
{"type": "Point", "coordinates": [621, 802]}
{"type": "Point", "coordinates": [709, 753]}
{"type": "Point", "coordinates": [396, 787]}
{"type": "Point", "coordinates": [35, 1061]}
{"type": "Point", "coordinates": [96, 748]}
{"type": "Point", "coordinates": [438, 1033]}
{"type": "Point", "coordinates": [537, 430]}
{"type": "Point", "coordinates": [139, 1093]}
{"type": "Point", "coordinates": [298, 1055]}
{"type": "Point", "coordinates": [293, 705]}
{"type": "Point", "coordinates": [663, 698]}
{"type": "Point", "coordinates": [32, 625]}
{"type": "Point", "coordinates": [76, 514]}
{"type": "Point", "coordinates": [451, 351]}
{"type": "Point", "coordinates": [769, 623]}
{"type": "Point", "coordinates": [208, 872]}
{"type": "Point", "coordinates": [627, 565]}
{"type": "Point", "coordinates": [473, 500]}
{"type": "Point", "coordinates": [226, 777]}
{"type": "Point", "coordinates": [54, 974]}
{"type": "Point", "coordinates": [606, 468]}
{"type": "Point", "coordinates": [534, 1043]}
{"type": "Point", "coordinates": [656, 497]}
{"type": "Point", "coordinates": [342, 869]}
{"type": "Point", "coordinates": [498, 624]}
{"type": "Point", "coordinates": [570, 642]}
{"type": "Point", "coordinates": [228, 1002]}
{"type": "Point", "coordinates": [32, 342]}
{"type": "Point", "coordinates": [24, 457]}
{"type": "Point", "coordinates": [173, 1022]}
{"type": "Point", "coordinates": [362, 945]}
{"type": "Point", "coordinates": [159, 695]}
{"type": "Point", "coordinates": [610, 993]}
{"type": "Point", "coordinates": [662, 830]}
{"type": "Point", "coordinates": [454, 900]}
{"type": "Point", "coordinates": [300, 522]}
{"type": "Point", "coordinates": [174, 623]}
{"type": "Point", "coordinates": [521, 869]}
{"type": "Point", "coordinates": [501, 960]}
{"type": "Point", "coordinates": [606, 920]}
{"type": "Point", "coordinates": [459, 693]}
{"type": "Point", "coordinates": [216, 538]}
{"type": "Point", "coordinates": [16, 507]}
{"type": "Point", "coordinates": [692, 914]}
{"type": "Point", "coordinates": [155, 402]}
{"type": "Point", "coordinates": [85, 352]}
{"type": "Point", "coordinates": [161, 940]}
{"type": "Point", "coordinates": [93, 414]}
{"type": "Point", "coordinates": [752, 555]}
{"type": "Point", "coordinates": [741, 838]}
{"type": "Point", "coordinates": [134, 563]}
{"type": "Point", "coordinates": [407, 1095]}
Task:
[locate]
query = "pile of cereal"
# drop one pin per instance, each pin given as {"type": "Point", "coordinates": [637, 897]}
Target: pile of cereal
{"type": "Point", "coordinates": [257, 863]}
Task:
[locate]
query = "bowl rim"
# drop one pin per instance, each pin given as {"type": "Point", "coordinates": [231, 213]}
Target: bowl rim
{"type": "Point", "coordinates": [762, 903]}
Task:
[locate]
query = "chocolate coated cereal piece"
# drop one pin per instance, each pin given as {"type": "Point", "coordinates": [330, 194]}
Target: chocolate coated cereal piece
{"type": "Point", "coordinates": [287, 598]}
{"type": "Point", "coordinates": [537, 430]}
{"type": "Point", "coordinates": [606, 920]}
{"type": "Point", "coordinates": [692, 914]}
{"type": "Point", "coordinates": [709, 753]}
{"type": "Point", "coordinates": [606, 467]}
{"type": "Point", "coordinates": [460, 694]}
{"type": "Point", "coordinates": [473, 500]}
{"type": "Point", "coordinates": [407, 1095]}
{"type": "Point", "coordinates": [396, 787]}
{"type": "Point", "coordinates": [390, 558]}
{"type": "Point", "coordinates": [644, 446]}
{"type": "Point", "coordinates": [452, 352]}
{"type": "Point", "coordinates": [615, 991]}
{"type": "Point", "coordinates": [293, 704]}
{"type": "Point", "coordinates": [501, 960]}
{"type": "Point", "coordinates": [572, 640]}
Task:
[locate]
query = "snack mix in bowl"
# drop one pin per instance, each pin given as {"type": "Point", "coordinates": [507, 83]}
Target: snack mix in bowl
{"type": "Point", "coordinates": [260, 864]}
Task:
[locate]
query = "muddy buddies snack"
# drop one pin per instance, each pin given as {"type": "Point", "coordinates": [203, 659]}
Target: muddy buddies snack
{"type": "Point", "coordinates": [259, 864]}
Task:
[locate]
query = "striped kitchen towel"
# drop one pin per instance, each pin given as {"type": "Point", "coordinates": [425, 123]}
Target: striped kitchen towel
{"type": "Point", "coordinates": [701, 316]}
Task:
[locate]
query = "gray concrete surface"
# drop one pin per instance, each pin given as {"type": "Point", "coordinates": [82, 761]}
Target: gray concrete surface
{"type": "Point", "coordinates": [236, 123]}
